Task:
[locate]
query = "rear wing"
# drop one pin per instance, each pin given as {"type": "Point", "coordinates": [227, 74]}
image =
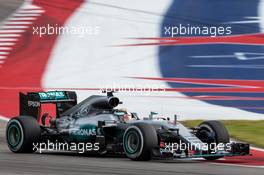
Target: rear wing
{"type": "Point", "coordinates": [30, 103]}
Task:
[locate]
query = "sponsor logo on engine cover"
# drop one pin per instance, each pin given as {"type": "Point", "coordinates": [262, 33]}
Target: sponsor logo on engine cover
{"type": "Point", "coordinates": [33, 104]}
{"type": "Point", "coordinates": [84, 132]}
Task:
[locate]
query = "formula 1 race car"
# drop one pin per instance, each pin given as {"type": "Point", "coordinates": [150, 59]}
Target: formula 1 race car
{"type": "Point", "coordinates": [109, 130]}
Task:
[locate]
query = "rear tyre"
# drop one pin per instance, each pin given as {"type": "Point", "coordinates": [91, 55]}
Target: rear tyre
{"type": "Point", "coordinates": [139, 140]}
{"type": "Point", "coordinates": [21, 133]}
{"type": "Point", "coordinates": [213, 131]}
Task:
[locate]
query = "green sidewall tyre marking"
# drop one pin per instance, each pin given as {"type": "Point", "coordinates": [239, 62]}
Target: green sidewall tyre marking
{"type": "Point", "coordinates": [128, 148]}
{"type": "Point", "coordinates": [16, 136]}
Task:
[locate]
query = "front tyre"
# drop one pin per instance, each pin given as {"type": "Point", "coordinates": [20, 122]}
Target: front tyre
{"type": "Point", "coordinates": [21, 133]}
{"type": "Point", "coordinates": [213, 131]}
{"type": "Point", "coordinates": [139, 140]}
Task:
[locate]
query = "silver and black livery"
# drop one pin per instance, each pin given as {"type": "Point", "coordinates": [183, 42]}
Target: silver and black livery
{"type": "Point", "coordinates": [98, 120]}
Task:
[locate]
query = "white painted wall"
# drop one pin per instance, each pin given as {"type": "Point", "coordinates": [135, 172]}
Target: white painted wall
{"type": "Point", "coordinates": [91, 62]}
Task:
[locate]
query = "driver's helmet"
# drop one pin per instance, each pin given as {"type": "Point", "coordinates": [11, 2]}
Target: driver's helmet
{"type": "Point", "coordinates": [127, 116]}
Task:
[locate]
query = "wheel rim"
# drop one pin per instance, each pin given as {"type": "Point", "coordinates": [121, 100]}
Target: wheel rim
{"type": "Point", "coordinates": [14, 135]}
{"type": "Point", "coordinates": [132, 142]}
{"type": "Point", "coordinates": [210, 133]}
{"type": "Point", "coordinates": [209, 136]}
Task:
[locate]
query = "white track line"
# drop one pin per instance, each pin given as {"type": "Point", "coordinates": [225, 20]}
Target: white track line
{"type": "Point", "coordinates": [10, 35]}
{"type": "Point", "coordinates": [5, 48]}
{"type": "Point", "coordinates": [258, 149]}
{"type": "Point", "coordinates": [4, 53]}
{"type": "Point", "coordinates": [7, 44]}
{"type": "Point", "coordinates": [252, 17]}
{"type": "Point", "coordinates": [230, 164]}
{"type": "Point", "coordinates": [22, 19]}
{"type": "Point", "coordinates": [30, 6]}
{"type": "Point", "coordinates": [26, 15]}
{"type": "Point", "coordinates": [14, 27]}
{"type": "Point", "coordinates": [17, 22]}
{"type": "Point", "coordinates": [4, 118]}
{"type": "Point", "coordinates": [2, 57]}
{"type": "Point", "coordinates": [30, 11]}
{"type": "Point", "coordinates": [244, 22]}
{"type": "Point", "coordinates": [7, 39]}
{"type": "Point", "coordinates": [11, 31]}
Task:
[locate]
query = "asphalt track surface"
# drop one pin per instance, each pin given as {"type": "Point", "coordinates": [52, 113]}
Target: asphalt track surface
{"type": "Point", "coordinates": [71, 163]}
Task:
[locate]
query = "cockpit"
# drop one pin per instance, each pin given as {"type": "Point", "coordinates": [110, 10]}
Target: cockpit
{"type": "Point", "coordinates": [125, 116]}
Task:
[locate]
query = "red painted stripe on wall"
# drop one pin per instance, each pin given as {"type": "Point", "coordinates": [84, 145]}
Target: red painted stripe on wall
{"type": "Point", "coordinates": [27, 60]}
